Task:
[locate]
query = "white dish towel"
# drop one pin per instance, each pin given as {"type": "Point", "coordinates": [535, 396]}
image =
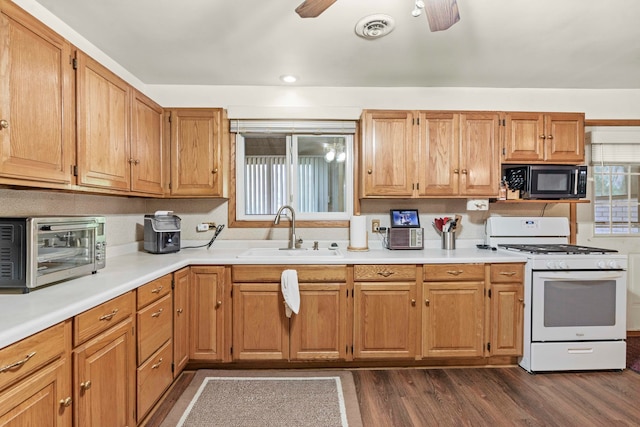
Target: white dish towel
{"type": "Point", "coordinates": [290, 291]}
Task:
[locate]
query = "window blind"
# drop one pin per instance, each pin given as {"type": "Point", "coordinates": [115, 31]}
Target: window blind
{"type": "Point", "coordinates": [615, 153]}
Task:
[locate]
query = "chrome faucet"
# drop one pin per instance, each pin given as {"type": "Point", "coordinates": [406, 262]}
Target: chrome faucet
{"type": "Point", "coordinates": [293, 242]}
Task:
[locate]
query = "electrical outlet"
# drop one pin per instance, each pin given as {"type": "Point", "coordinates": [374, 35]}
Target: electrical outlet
{"type": "Point", "coordinates": [202, 227]}
{"type": "Point", "coordinates": [375, 225]}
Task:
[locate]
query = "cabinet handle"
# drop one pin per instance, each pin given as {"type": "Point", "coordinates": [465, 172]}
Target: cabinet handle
{"type": "Point", "coordinates": [385, 273]}
{"type": "Point", "coordinates": [413, 303]}
{"type": "Point", "coordinates": [157, 313]}
{"type": "Point", "coordinates": [455, 272]}
{"type": "Point", "coordinates": [65, 402]}
{"type": "Point", "coordinates": [543, 137]}
{"type": "Point", "coordinates": [4, 124]}
{"type": "Point", "coordinates": [456, 171]}
{"type": "Point", "coordinates": [157, 365]}
{"type": "Point", "coordinates": [136, 161]}
{"type": "Point", "coordinates": [18, 363]}
{"type": "Point", "coordinates": [549, 136]}
{"type": "Point", "coordinates": [110, 315]}
{"type": "Point", "coordinates": [521, 299]}
{"type": "Point", "coordinates": [369, 171]}
{"type": "Point", "coordinates": [85, 385]}
{"type": "Point", "coordinates": [179, 311]}
{"type": "Point", "coordinates": [219, 303]}
{"type": "Point", "coordinates": [426, 302]}
{"type": "Point", "coordinates": [215, 170]}
{"type": "Point", "coordinates": [508, 273]}
{"type": "Point", "coordinates": [464, 171]}
{"type": "Point", "coordinates": [157, 290]}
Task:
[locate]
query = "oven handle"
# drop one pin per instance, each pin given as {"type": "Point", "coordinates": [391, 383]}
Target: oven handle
{"type": "Point", "coordinates": [581, 275]}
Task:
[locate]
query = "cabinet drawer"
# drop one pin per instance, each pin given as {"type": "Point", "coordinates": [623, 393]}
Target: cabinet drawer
{"type": "Point", "coordinates": [384, 272]}
{"type": "Point", "coordinates": [154, 290]}
{"type": "Point", "coordinates": [273, 273]}
{"type": "Point", "coordinates": [26, 356]}
{"type": "Point", "coordinates": [100, 318]}
{"type": "Point", "coordinates": [154, 376]}
{"type": "Point", "coordinates": [507, 273]}
{"type": "Point", "coordinates": [448, 272]}
{"type": "Point", "coordinates": [154, 327]}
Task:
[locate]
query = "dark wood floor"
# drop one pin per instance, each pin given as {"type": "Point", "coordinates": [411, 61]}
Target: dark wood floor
{"type": "Point", "coordinates": [486, 397]}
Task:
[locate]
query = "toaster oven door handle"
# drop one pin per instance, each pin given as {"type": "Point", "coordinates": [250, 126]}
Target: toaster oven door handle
{"type": "Point", "coordinates": [70, 227]}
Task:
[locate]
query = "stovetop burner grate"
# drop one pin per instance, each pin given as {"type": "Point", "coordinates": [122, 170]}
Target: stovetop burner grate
{"type": "Point", "coordinates": [557, 249]}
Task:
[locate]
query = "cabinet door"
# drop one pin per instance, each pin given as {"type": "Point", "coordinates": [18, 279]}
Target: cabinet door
{"type": "Point", "coordinates": [385, 317]}
{"type": "Point", "coordinates": [565, 138]}
{"type": "Point", "coordinates": [438, 161]}
{"type": "Point", "coordinates": [260, 327]}
{"type": "Point", "coordinates": [479, 160]}
{"type": "Point", "coordinates": [452, 319]}
{"type": "Point", "coordinates": [319, 330]}
{"type": "Point", "coordinates": [42, 399]}
{"type": "Point", "coordinates": [147, 154]}
{"type": "Point", "coordinates": [523, 137]}
{"type": "Point", "coordinates": [507, 303]}
{"type": "Point", "coordinates": [388, 153]}
{"type": "Point", "coordinates": [36, 100]}
{"type": "Point", "coordinates": [180, 320]}
{"type": "Point", "coordinates": [207, 313]}
{"type": "Point", "coordinates": [104, 107]}
{"type": "Point", "coordinates": [196, 141]}
{"type": "Point", "coordinates": [105, 378]}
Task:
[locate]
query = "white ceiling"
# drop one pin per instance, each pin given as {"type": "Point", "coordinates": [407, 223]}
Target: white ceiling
{"type": "Point", "coordinates": [497, 43]}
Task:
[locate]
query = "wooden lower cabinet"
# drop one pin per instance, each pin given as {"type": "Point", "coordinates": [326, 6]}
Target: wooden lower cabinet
{"type": "Point", "coordinates": [208, 301]}
{"type": "Point", "coordinates": [453, 310]}
{"type": "Point", "coordinates": [180, 320]}
{"type": "Point", "coordinates": [261, 329]}
{"type": "Point", "coordinates": [506, 305]}
{"type": "Point", "coordinates": [36, 391]}
{"type": "Point", "coordinates": [104, 389]}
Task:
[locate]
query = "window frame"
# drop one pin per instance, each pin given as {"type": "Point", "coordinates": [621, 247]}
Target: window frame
{"type": "Point", "coordinates": [610, 224]}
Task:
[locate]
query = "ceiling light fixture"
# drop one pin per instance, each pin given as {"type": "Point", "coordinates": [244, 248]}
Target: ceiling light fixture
{"type": "Point", "coordinates": [417, 9]}
{"type": "Point", "coordinates": [288, 78]}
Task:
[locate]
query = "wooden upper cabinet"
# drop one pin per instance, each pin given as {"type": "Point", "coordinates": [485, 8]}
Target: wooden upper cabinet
{"type": "Point", "coordinates": [430, 154]}
{"type": "Point", "coordinates": [148, 161]}
{"type": "Point", "coordinates": [543, 137]}
{"type": "Point", "coordinates": [388, 152]}
{"type": "Point", "coordinates": [196, 143]}
{"type": "Point", "coordinates": [36, 100]}
{"type": "Point", "coordinates": [103, 109]}
{"type": "Point", "coordinates": [479, 159]}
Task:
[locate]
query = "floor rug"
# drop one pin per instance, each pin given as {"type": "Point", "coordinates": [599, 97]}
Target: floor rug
{"type": "Point", "coordinates": [267, 398]}
{"type": "Point", "coordinates": [633, 353]}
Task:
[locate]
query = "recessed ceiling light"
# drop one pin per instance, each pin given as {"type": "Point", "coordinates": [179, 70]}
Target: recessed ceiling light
{"type": "Point", "coordinates": [288, 78]}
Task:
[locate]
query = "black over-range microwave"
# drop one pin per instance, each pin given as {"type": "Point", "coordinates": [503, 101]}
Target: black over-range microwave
{"type": "Point", "coordinates": [547, 181]}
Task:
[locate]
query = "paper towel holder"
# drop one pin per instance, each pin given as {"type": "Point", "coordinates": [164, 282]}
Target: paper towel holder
{"type": "Point", "coordinates": [358, 236]}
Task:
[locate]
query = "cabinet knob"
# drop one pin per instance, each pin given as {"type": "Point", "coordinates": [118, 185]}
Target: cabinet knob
{"type": "Point", "coordinates": [543, 137]}
{"type": "Point", "coordinates": [218, 304]}
{"type": "Point", "coordinates": [85, 385]}
{"type": "Point", "coordinates": [215, 170]}
{"type": "Point", "coordinates": [65, 402]}
{"type": "Point", "coordinates": [426, 302]}
{"type": "Point", "coordinates": [456, 171]}
{"type": "Point", "coordinates": [369, 171]}
{"type": "Point", "coordinates": [464, 171]}
{"type": "Point", "coordinates": [4, 124]}
{"type": "Point", "coordinates": [179, 311]}
{"type": "Point", "coordinates": [413, 303]}
{"type": "Point", "coordinates": [549, 136]}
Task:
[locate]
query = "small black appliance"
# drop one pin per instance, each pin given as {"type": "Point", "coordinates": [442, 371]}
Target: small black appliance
{"type": "Point", "coordinates": [162, 232]}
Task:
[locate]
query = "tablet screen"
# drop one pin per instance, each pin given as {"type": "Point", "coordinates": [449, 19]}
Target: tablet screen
{"type": "Point", "coordinates": [405, 218]}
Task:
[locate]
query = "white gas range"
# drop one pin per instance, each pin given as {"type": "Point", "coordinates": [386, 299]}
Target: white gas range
{"type": "Point", "coordinates": [575, 296]}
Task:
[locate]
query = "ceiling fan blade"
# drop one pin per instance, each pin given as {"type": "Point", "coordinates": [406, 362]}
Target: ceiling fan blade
{"type": "Point", "coordinates": [313, 8]}
{"type": "Point", "coordinates": [441, 14]}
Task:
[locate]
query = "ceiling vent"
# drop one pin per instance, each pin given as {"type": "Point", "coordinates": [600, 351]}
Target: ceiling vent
{"type": "Point", "coordinates": [375, 26]}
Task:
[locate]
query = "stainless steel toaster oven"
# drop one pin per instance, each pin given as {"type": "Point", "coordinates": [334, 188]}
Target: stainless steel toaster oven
{"type": "Point", "coordinates": [37, 251]}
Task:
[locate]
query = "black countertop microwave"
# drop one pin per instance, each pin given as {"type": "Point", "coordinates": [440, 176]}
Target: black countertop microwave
{"type": "Point", "coordinates": [547, 181]}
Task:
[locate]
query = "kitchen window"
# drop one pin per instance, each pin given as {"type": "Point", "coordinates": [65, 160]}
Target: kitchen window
{"type": "Point", "coordinates": [616, 179]}
{"type": "Point", "coordinates": [305, 164]}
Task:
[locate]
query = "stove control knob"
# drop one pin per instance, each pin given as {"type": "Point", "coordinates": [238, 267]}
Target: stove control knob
{"type": "Point", "coordinates": [601, 265]}
{"type": "Point", "coordinates": [563, 265]}
{"type": "Point", "coordinates": [613, 264]}
{"type": "Point", "coordinates": [551, 265]}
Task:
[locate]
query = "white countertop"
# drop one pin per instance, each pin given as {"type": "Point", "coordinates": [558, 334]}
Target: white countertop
{"type": "Point", "coordinates": [22, 315]}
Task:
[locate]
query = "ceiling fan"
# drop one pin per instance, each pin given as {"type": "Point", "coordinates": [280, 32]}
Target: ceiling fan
{"type": "Point", "coordinates": [441, 14]}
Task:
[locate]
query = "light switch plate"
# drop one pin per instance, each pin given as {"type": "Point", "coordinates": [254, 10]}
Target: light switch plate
{"type": "Point", "coordinates": [478, 204]}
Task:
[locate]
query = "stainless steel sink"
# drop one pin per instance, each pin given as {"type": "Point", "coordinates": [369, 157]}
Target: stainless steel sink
{"type": "Point", "coordinates": [324, 253]}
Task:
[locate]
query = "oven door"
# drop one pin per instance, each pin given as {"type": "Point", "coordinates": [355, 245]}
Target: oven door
{"type": "Point", "coordinates": [578, 305]}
